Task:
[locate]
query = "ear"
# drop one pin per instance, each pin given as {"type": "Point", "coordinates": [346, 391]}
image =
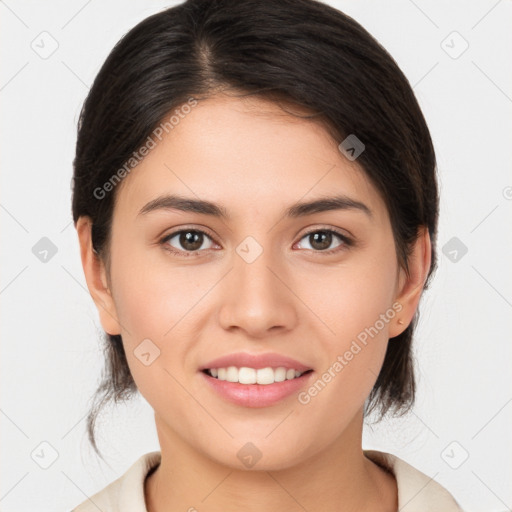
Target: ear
{"type": "Point", "coordinates": [410, 287]}
{"type": "Point", "coordinates": [96, 277]}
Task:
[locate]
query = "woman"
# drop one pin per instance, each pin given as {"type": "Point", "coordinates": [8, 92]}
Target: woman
{"type": "Point", "coordinates": [256, 203]}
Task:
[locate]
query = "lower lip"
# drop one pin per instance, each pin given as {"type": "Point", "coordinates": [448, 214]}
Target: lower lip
{"type": "Point", "coordinates": [256, 395]}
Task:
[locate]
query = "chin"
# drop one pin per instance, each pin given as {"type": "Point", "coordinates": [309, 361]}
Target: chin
{"type": "Point", "coordinates": [258, 456]}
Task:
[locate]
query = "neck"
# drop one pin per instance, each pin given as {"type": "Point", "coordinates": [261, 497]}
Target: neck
{"type": "Point", "coordinates": [338, 478]}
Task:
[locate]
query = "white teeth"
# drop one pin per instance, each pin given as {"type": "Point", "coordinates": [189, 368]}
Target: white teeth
{"type": "Point", "coordinates": [245, 375]}
{"type": "Point", "coordinates": [232, 374]}
{"type": "Point", "coordinates": [265, 376]}
{"type": "Point", "coordinates": [279, 374]}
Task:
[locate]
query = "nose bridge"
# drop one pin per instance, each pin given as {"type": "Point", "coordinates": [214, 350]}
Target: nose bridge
{"type": "Point", "coordinates": [256, 299]}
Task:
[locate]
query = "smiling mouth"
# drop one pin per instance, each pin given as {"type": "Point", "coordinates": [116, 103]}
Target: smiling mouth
{"type": "Point", "coordinates": [247, 375]}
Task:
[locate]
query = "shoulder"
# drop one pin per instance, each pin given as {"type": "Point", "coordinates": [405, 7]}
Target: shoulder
{"type": "Point", "coordinates": [125, 494]}
{"type": "Point", "coordinates": [417, 492]}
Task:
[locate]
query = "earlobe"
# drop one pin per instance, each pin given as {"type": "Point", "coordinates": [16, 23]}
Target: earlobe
{"type": "Point", "coordinates": [96, 278]}
{"type": "Point", "coordinates": [410, 287]}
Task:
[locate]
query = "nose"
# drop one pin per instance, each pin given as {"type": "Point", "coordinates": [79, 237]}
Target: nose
{"type": "Point", "coordinates": [257, 297]}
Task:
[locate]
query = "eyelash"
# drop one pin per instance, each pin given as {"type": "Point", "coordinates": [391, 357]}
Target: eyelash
{"type": "Point", "coordinates": [347, 242]}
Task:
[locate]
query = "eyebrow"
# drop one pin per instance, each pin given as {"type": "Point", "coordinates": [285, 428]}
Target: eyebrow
{"type": "Point", "coordinates": [299, 209]}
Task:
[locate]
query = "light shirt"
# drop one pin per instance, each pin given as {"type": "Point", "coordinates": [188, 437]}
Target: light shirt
{"type": "Point", "coordinates": [416, 491]}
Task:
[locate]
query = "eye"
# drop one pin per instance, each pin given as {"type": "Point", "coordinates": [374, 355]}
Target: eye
{"type": "Point", "coordinates": [190, 240]}
{"type": "Point", "coordinates": [321, 239]}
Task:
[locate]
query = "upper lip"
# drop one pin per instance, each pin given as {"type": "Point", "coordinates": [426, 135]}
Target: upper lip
{"type": "Point", "coordinates": [268, 359]}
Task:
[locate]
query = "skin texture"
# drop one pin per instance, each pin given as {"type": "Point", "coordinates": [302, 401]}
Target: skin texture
{"type": "Point", "coordinates": [255, 160]}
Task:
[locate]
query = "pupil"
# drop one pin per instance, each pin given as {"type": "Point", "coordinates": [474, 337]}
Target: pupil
{"type": "Point", "coordinates": [191, 240]}
{"type": "Point", "coordinates": [325, 243]}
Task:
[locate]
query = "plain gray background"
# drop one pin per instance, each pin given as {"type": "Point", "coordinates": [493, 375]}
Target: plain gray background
{"type": "Point", "coordinates": [459, 430]}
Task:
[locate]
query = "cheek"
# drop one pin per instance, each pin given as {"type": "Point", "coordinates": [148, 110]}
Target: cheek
{"type": "Point", "coordinates": [155, 340]}
{"type": "Point", "coordinates": [352, 297]}
{"type": "Point", "coordinates": [357, 306]}
{"type": "Point", "coordinates": [151, 296]}
{"type": "Point", "coordinates": [153, 306]}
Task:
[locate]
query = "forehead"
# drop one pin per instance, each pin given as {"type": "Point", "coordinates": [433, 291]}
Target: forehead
{"type": "Point", "coordinates": [247, 154]}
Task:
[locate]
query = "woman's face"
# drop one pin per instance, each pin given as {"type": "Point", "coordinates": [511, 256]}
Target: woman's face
{"type": "Point", "coordinates": [258, 282]}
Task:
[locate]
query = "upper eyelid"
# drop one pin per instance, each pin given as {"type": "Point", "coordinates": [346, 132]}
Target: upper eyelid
{"type": "Point", "coordinates": [343, 237]}
{"type": "Point", "coordinates": [185, 229]}
{"type": "Point", "coordinates": [336, 231]}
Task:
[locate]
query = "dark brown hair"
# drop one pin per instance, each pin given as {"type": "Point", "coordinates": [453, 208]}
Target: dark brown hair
{"type": "Point", "coordinates": [301, 51]}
